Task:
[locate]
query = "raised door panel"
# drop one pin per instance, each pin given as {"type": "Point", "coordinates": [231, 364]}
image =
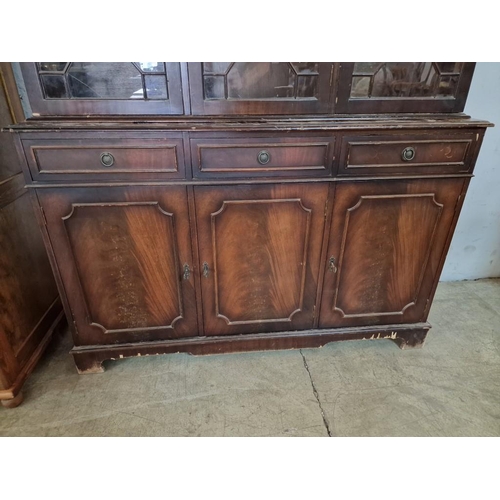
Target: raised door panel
{"type": "Point", "coordinates": [260, 256]}
{"type": "Point", "coordinates": [403, 87]}
{"type": "Point", "coordinates": [385, 248]}
{"type": "Point", "coordinates": [103, 88]}
{"type": "Point", "coordinates": [125, 259]}
{"type": "Point", "coordinates": [264, 88]}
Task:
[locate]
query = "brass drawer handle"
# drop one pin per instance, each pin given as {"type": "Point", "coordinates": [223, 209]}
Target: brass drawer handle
{"type": "Point", "coordinates": [205, 270]}
{"type": "Point", "coordinates": [263, 157]}
{"type": "Point", "coordinates": [408, 154]}
{"type": "Point", "coordinates": [187, 272]}
{"type": "Point", "coordinates": [107, 159]}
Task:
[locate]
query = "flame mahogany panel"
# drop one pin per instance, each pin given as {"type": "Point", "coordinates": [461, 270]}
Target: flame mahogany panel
{"type": "Point", "coordinates": [262, 246]}
{"type": "Point", "coordinates": [387, 240]}
{"type": "Point", "coordinates": [121, 253]}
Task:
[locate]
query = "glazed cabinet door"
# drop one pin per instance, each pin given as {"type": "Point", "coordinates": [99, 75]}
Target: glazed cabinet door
{"type": "Point", "coordinates": [385, 250]}
{"type": "Point", "coordinates": [259, 256]}
{"type": "Point", "coordinates": [103, 88]}
{"type": "Point", "coordinates": [264, 88]}
{"type": "Point", "coordinates": [403, 87]}
{"type": "Point", "coordinates": [124, 256]}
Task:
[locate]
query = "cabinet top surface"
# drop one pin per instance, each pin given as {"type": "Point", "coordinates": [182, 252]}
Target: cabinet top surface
{"type": "Point", "coordinates": [267, 124]}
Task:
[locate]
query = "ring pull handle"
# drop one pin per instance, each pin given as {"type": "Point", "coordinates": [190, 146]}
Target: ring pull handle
{"type": "Point", "coordinates": [205, 270]}
{"type": "Point", "coordinates": [408, 154]}
{"type": "Point", "coordinates": [107, 159]}
{"type": "Point", "coordinates": [331, 265]}
{"type": "Point", "coordinates": [187, 272]}
{"type": "Point", "coordinates": [264, 157]}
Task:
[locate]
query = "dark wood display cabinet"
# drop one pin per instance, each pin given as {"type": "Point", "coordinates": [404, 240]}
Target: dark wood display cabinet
{"type": "Point", "coordinates": [221, 207]}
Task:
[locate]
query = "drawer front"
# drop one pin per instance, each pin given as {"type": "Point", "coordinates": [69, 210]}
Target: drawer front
{"type": "Point", "coordinates": [416, 154]}
{"type": "Point", "coordinates": [262, 157]}
{"type": "Point", "coordinates": [95, 159]}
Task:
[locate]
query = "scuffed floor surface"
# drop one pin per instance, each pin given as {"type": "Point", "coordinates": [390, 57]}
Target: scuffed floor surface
{"type": "Point", "coordinates": [451, 387]}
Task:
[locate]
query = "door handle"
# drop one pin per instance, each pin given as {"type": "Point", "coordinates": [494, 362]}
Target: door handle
{"type": "Point", "coordinates": [205, 270]}
{"type": "Point", "coordinates": [331, 265]}
{"type": "Point", "coordinates": [187, 272]}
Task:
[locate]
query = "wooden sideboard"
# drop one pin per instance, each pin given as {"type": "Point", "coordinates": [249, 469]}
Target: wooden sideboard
{"type": "Point", "coordinates": [221, 207]}
{"type": "Point", "coordinates": [30, 308]}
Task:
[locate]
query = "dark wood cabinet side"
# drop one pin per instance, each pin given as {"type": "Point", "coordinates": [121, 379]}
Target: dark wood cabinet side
{"type": "Point", "coordinates": [30, 309]}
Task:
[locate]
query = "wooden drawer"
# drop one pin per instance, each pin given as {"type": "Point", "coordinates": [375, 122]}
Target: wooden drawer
{"type": "Point", "coordinates": [244, 156]}
{"type": "Point", "coordinates": [95, 157]}
{"type": "Point", "coordinates": [417, 154]}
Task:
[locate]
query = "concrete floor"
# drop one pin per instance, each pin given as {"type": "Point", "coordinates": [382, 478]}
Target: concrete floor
{"type": "Point", "coordinates": [451, 387]}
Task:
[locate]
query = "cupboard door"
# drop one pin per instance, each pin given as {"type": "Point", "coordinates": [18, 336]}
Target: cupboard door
{"type": "Point", "coordinates": [385, 248]}
{"type": "Point", "coordinates": [103, 88]}
{"type": "Point", "coordinates": [263, 88]}
{"type": "Point", "coordinates": [259, 256]}
{"type": "Point", "coordinates": [403, 87]}
{"type": "Point", "coordinates": [125, 260]}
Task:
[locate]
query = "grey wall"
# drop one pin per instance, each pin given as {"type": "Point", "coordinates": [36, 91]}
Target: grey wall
{"type": "Point", "coordinates": [475, 248]}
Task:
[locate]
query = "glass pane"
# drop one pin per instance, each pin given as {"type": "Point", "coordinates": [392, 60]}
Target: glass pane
{"type": "Point", "coordinates": [425, 85]}
{"type": "Point", "coordinates": [305, 67]}
{"type": "Point", "coordinates": [151, 67]}
{"type": "Point", "coordinates": [402, 80]}
{"type": "Point", "coordinates": [215, 67]}
{"type": "Point", "coordinates": [52, 66]}
{"type": "Point", "coordinates": [156, 87]}
{"type": "Point", "coordinates": [104, 80]}
{"type": "Point", "coordinates": [383, 82]}
{"type": "Point", "coordinates": [360, 86]}
{"type": "Point", "coordinates": [269, 80]}
{"type": "Point", "coordinates": [54, 86]}
{"type": "Point", "coordinates": [260, 81]}
{"type": "Point", "coordinates": [307, 86]}
{"type": "Point", "coordinates": [405, 80]}
{"type": "Point", "coordinates": [214, 87]}
{"type": "Point", "coordinates": [448, 85]}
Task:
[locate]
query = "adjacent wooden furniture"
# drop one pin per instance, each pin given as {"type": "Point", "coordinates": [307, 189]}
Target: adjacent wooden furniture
{"type": "Point", "coordinates": [30, 308]}
{"type": "Point", "coordinates": [219, 207]}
